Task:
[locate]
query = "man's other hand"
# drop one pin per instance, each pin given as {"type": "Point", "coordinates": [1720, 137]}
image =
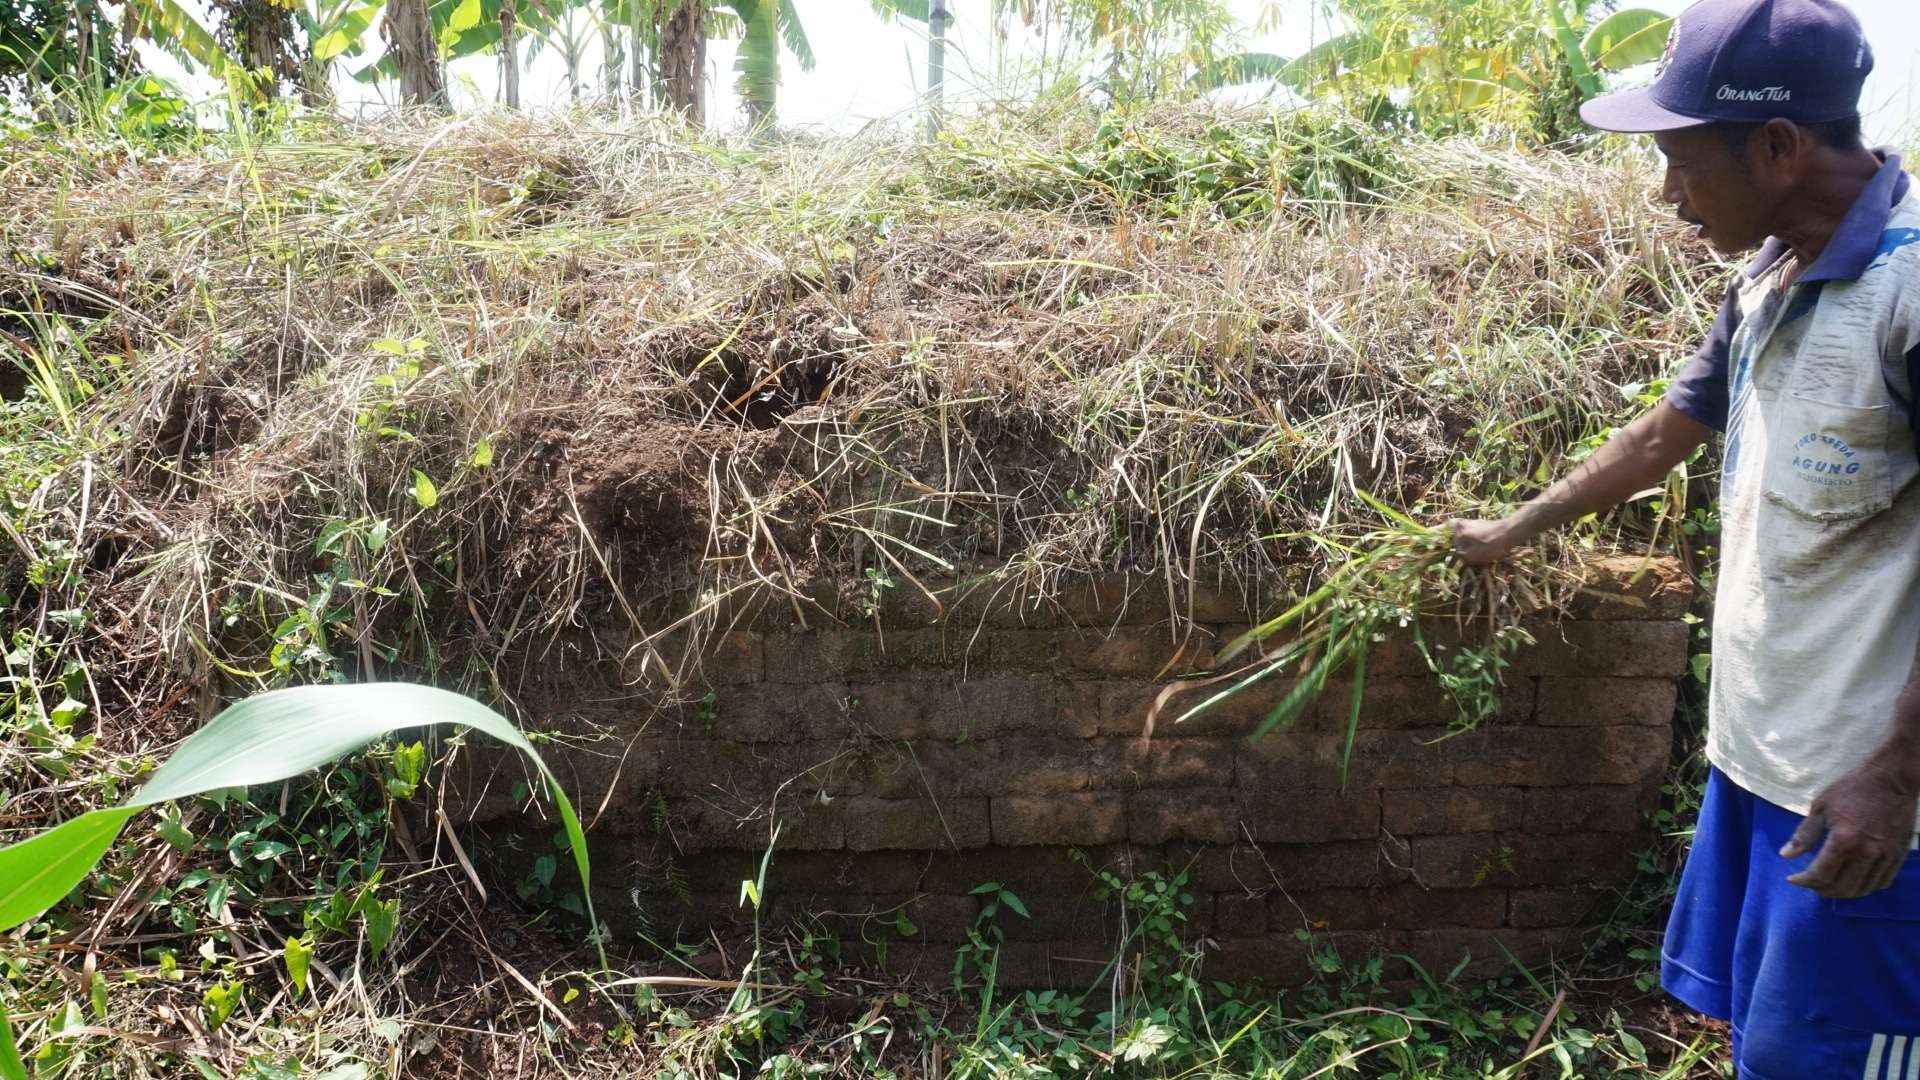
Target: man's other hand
{"type": "Point", "coordinates": [1867, 818]}
{"type": "Point", "coordinates": [1481, 542]}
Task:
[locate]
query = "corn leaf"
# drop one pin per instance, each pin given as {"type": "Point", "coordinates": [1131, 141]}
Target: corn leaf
{"type": "Point", "coordinates": [269, 737]}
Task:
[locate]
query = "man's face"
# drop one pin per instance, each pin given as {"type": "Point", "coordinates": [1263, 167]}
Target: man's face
{"type": "Point", "coordinates": [1728, 192]}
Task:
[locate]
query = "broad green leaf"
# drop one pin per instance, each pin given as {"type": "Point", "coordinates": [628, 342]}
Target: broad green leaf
{"type": "Point", "coordinates": [272, 736]}
{"type": "Point", "coordinates": [1239, 68]}
{"type": "Point", "coordinates": [36, 872]}
{"type": "Point", "coordinates": [483, 453]}
{"type": "Point", "coordinates": [11, 1067]}
{"type": "Point", "coordinates": [466, 16]}
{"type": "Point", "coordinates": [1626, 39]}
{"type": "Point", "coordinates": [424, 492]}
{"type": "Point", "coordinates": [299, 957]}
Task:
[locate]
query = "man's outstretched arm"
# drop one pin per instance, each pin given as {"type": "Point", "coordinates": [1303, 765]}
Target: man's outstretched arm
{"type": "Point", "coordinates": [1636, 458]}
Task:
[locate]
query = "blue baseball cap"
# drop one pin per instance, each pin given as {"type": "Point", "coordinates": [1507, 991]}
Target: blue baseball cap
{"type": "Point", "coordinates": [1749, 61]}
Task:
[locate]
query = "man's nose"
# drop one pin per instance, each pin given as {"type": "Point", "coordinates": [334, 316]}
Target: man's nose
{"type": "Point", "coordinates": [1670, 186]}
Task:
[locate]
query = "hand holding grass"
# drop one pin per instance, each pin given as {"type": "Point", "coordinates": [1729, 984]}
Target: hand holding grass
{"type": "Point", "coordinates": [1638, 457]}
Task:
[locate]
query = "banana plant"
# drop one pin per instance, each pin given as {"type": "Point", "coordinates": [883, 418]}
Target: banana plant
{"type": "Point", "coordinates": [1451, 59]}
{"type": "Point", "coordinates": [266, 738]}
{"type": "Point", "coordinates": [334, 29]}
{"type": "Point", "coordinates": [765, 24]}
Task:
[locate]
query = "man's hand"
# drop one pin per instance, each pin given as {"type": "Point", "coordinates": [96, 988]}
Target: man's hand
{"type": "Point", "coordinates": [1867, 817]}
{"type": "Point", "coordinates": [1481, 542]}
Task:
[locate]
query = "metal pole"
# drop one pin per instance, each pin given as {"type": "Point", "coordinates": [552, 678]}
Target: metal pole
{"type": "Point", "coordinates": [937, 22]}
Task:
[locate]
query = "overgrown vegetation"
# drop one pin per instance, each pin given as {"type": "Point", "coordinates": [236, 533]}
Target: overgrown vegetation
{"type": "Point", "coordinates": [314, 402]}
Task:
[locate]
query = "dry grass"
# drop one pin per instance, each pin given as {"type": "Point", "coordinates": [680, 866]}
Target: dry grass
{"type": "Point", "coordinates": [432, 400]}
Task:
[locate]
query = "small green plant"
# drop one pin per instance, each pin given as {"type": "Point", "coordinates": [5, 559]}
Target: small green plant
{"type": "Point", "coordinates": [268, 737]}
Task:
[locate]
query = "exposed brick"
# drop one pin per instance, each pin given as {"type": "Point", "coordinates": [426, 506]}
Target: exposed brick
{"type": "Point", "coordinates": [1239, 915]}
{"type": "Point", "coordinates": [1535, 757]}
{"type": "Point", "coordinates": [1589, 808]}
{"type": "Point", "coordinates": [1386, 907]}
{"type": "Point", "coordinates": [859, 656]}
{"type": "Point", "coordinates": [1286, 761]}
{"type": "Point", "coordinates": [1141, 599]}
{"type": "Point", "coordinates": [769, 713]}
{"type": "Point", "coordinates": [1312, 817]}
{"type": "Point", "coordinates": [1181, 762]}
{"type": "Point", "coordinates": [1559, 907]}
{"type": "Point", "coordinates": [1566, 702]}
{"type": "Point", "coordinates": [1463, 862]}
{"type": "Point", "coordinates": [1273, 960]}
{"type": "Point", "coordinates": [933, 917]}
{"type": "Point", "coordinates": [1124, 707]}
{"type": "Point", "coordinates": [1601, 648]}
{"type": "Point", "coordinates": [734, 658]}
{"type": "Point", "coordinates": [1035, 871]}
{"type": "Point", "coordinates": [1202, 815]}
{"type": "Point", "coordinates": [1058, 819]}
{"type": "Point", "coordinates": [1063, 915]}
{"type": "Point", "coordinates": [1333, 865]}
{"type": "Point", "coordinates": [878, 824]}
{"type": "Point", "coordinates": [1633, 587]}
{"type": "Point", "coordinates": [721, 821]}
{"type": "Point", "coordinates": [1138, 652]}
{"type": "Point", "coordinates": [1427, 811]}
{"type": "Point", "coordinates": [1035, 651]}
{"type": "Point", "coordinates": [971, 710]}
{"type": "Point", "coordinates": [1481, 954]}
{"type": "Point", "coordinates": [1410, 702]}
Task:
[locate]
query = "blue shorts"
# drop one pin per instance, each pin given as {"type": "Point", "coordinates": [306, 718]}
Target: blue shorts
{"type": "Point", "coordinates": [1815, 989]}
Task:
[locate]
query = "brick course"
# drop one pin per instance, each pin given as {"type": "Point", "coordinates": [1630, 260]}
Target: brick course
{"type": "Point", "coordinates": [998, 736]}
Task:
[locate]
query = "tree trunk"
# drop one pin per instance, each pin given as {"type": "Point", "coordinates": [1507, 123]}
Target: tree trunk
{"type": "Point", "coordinates": [509, 58]}
{"type": "Point", "coordinates": [409, 33]}
{"type": "Point", "coordinates": [683, 60]}
{"type": "Point", "coordinates": [937, 19]}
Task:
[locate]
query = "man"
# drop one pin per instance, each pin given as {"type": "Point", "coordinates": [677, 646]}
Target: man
{"type": "Point", "coordinates": [1798, 915]}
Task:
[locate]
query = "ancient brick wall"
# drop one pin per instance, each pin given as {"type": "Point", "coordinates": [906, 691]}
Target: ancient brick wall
{"type": "Point", "coordinates": [907, 759]}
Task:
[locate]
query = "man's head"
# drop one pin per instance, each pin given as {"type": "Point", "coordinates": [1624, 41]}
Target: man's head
{"type": "Point", "coordinates": [1752, 99]}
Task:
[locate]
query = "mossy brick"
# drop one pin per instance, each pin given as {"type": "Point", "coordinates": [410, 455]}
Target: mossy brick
{"type": "Point", "coordinates": [1594, 649]}
{"type": "Point", "coordinates": [1415, 701]}
{"type": "Point", "coordinates": [972, 710]}
{"type": "Point", "coordinates": [1590, 808]}
{"type": "Point", "coordinates": [1088, 818]}
{"type": "Point", "coordinates": [805, 872]}
{"type": "Point", "coordinates": [1284, 761]}
{"type": "Point", "coordinates": [1125, 705]}
{"type": "Point", "coordinates": [1035, 651]}
{"type": "Point", "coordinates": [1237, 914]}
{"type": "Point", "coordinates": [1481, 953]}
{"type": "Point", "coordinates": [769, 713]}
{"type": "Point", "coordinates": [1025, 870]}
{"type": "Point", "coordinates": [1200, 815]}
{"type": "Point", "coordinates": [751, 770]}
{"type": "Point", "coordinates": [1334, 864]}
{"type": "Point", "coordinates": [1631, 587]}
{"type": "Point", "coordinates": [1282, 960]}
{"type": "Point", "coordinates": [1392, 760]}
{"type": "Point", "coordinates": [733, 658]}
{"type": "Point", "coordinates": [705, 823]}
{"type": "Point", "coordinates": [913, 824]}
{"type": "Point", "coordinates": [1530, 908]}
{"type": "Point", "coordinates": [1078, 916]}
{"type": "Point", "coordinates": [1310, 817]}
{"type": "Point", "coordinates": [1521, 859]}
{"type": "Point", "coordinates": [863, 917]}
{"type": "Point", "coordinates": [1575, 702]}
{"type": "Point", "coordinates": [1137, 651]}
{"type": "Point", "coordinates": [1143, 599]}
{"type": "Point", "coordinates": [1387, 907]}
{"type": "Point", "coordinates": [1550, 757]}
{"type": "Point", "coordinates": [859, 655]}
{"type": "Point", "coordinates": [1430, 811]}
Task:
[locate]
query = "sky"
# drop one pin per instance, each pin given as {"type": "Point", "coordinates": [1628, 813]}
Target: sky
{"type": "Point", "coordinates": [869, 71]}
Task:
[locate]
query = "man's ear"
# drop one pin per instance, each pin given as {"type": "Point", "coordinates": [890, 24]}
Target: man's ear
{"type": "Point", "coordinates": [1780, 143]}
